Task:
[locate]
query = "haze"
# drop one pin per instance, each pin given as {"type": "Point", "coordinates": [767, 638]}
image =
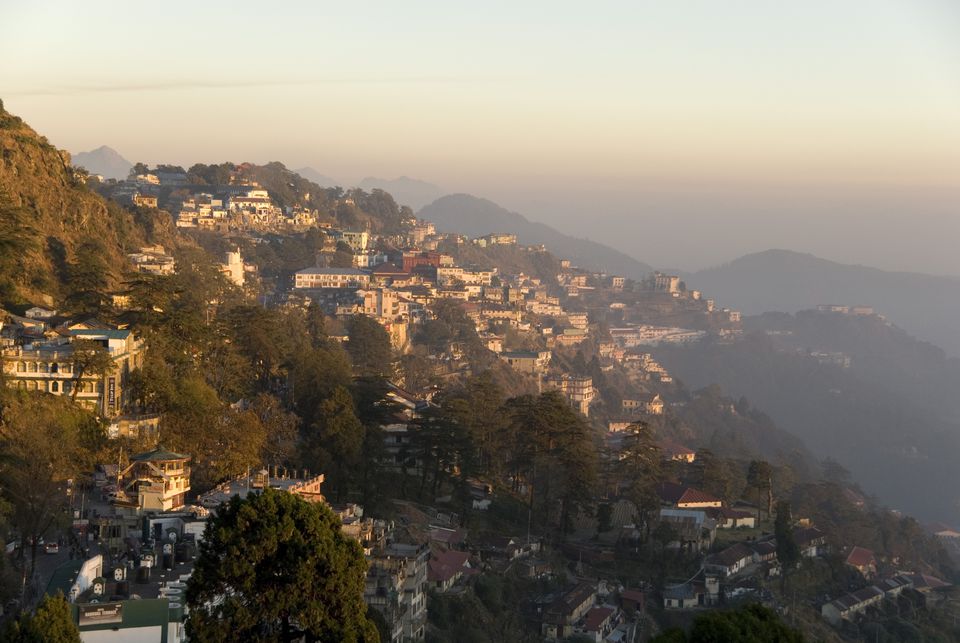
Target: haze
{"type": "Point", "coordinates": [685, 133]}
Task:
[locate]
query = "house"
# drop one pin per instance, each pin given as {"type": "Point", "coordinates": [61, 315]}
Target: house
{"type": "Point", "coordinates": [597, 623]}
{"type": "Point", "coordinates": [764, 551]}
{"type": "Point", "coordinates": [684, 595]}
{"type": "Point", "coordinates": [846, 607]}
{"type": "Point", "coordinates": [811, 541]}
{"type": "Point", "coordinates": [446, 568]}
{"type": "Point", "coordinates": [633, 600]}
{"type": "Point", "coordinates": [732, 518]}
{"type": "Point", "coordinates": [692, 529]}
{"type": "Point", "coordinates": [157, 480]}
{"type": "Point", "coordinates": [145, 200]}
{"type": "Point", "coordinates": [527, 361]}
{"type": "Point", "coordinates": [560, 617]}
{"type": "Point", "coordinates": [451, 538]}
{"type": "Point", "coordinates": [671, 450]}
{"type": "Point", "coordinates": [685, 497]}
{"type": "Point", "coordinates": [730, 561]}
{"type": "Point", "coordinates": [863, 561]}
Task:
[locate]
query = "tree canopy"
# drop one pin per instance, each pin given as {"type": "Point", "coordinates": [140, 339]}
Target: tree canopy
{"type": "Point", "coordinates": [273, 567]}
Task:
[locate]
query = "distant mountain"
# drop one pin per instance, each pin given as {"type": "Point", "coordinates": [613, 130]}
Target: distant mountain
{"type": "Point", "coordinates": [476, 217]}
{"type": "Point", "coordinates": [926, 306]}
{"type": "Point", "coordinates": [317, 177]}
{"type": "Point", "coordinates": [105, 161]}
{"type": "Point", "coordinates": [405, 190]}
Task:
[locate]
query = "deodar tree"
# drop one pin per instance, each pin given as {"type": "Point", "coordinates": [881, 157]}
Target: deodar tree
{"type": "Point", "coordinates": [273, 567]}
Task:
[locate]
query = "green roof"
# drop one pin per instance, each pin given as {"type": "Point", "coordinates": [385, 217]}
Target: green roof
{"type": "Point", "coordinates": [158, 455]}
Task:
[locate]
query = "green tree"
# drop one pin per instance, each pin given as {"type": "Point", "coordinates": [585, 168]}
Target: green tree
{"type": "Point", "coordinates": [88, 358]}
{"type": "Point", "coordinates": [52, 622]}
{"type": "Point", "coordinates": [788, 553]}
{"type": "Point", "coordinates": [369, 347]}
{"type": "Point", "coordinates": [44, 442]}
{"type": "Point", "coordinates": [638, 469]}
{"type": "Point", "coordinates": [89, 277]}
{"type": "Point", "coordinates": [273, 567]}
{"type": "Point", "coordinates": [760, 478]}
{"type": "Point", "coordinates": [749, 624]}
{"type": "Point", "coordinates": [334, 440]}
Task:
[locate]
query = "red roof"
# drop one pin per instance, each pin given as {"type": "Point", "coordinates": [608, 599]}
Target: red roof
{"type": "Point", "coordinates": [446, 565]}
{"type": "Point", "coordinates": [677, 494]}
{"type": "Point", "coordinates": [634, 595]}
{"type": "Point", "coordinates": [596, 618]}
{"type": "Point", "coordinates": [861, 557]}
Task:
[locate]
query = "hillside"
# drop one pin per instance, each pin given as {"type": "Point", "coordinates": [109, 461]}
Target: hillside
{"type": "Point", "coordinates": [476, 217]}
{"type": "Point", "coordinates": [890, 411]}
{"type": "Point", "coordinates": [49, 218]}
{"type": "Point", "coordinates": [405, 190]}
{"type": "Point", "coordinates": [780, 280]}
{"type": "Point", "coordinates": [104, 161]}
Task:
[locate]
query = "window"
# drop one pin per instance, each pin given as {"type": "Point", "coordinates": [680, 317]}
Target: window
{"type": "Point", "coordinates": [32, 367]}
{"type": "Point", "coordinates": [21, 367]}
{"type": "Point", "coordinates": [54, 387]}
{"type": "Point", "coordinates": [54, 368]}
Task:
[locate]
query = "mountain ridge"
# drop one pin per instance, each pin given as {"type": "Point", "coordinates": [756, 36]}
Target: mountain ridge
{"type": "Point", "coordinates": [105, 161]}
{"type": "Point", "coordinates": [788, 281]}
{"type": "Point", "coordinates": [476, 216]}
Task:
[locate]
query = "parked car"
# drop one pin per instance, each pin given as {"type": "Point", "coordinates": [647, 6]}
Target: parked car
{"type": "Point", "coordinates": [52, 548]}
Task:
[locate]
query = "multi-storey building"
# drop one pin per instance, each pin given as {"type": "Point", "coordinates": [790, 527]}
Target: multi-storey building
{"type": "Point", "coordinates": [51, 366]}
{"type": "Point", "coordinates": [157, 480]}
{"type": "Point", "coordinates": [578, 390]}
{"type": "Point", "coordinates": [331, 278]}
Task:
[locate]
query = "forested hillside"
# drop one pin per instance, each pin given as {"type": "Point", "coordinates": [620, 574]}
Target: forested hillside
{"type": "Point", "coordinates": [59, 239]}
{"type": "Point", "coordinates": [892, 408]}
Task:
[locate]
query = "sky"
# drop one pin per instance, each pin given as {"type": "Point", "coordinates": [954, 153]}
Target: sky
{"type": "Point", "coordinates": [686, 132]}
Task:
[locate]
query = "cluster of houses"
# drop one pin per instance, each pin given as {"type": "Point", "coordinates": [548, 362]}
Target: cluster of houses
{"type": "Point", "coordinates": [241, 204]}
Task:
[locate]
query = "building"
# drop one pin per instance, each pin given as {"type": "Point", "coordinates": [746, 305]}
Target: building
{"type": "Point", "coordinates": [561, 615]}
{"type": "Point", "coordinates": [232, 267]}
{"type": "Point", "coordinates": [322, 278]}
{"type": "Point", "coordinates": [666, 283]}
{"type": "Point", "coordinates": [730, 561]}
{"type": "Point", "coordinates": [446, 568]}
{"type": "Point", "coordinates": [671, 450]}
{"type": "Point", "coordinates": [849, 605]}
{"type": "Point", "coordinates": [527, 361]}
{"type": "Point", "coordinates": [156, 480]}
{"type": "Point", "coordinates": [496, 239]}
{"type": "Point", "coordinates": [152, 260]}
{"type": "Point", "coordinates": [358, 241]}
{"type": "Point", "coordinates": [732, 518]}
{"type": "Point", "coordinates": [50, 366]}
{"type": "Point", "coordinates": [863, 561]}
{"type": "Point", "coordinates": [310, 488]}
{"type": "Point", "coordinates": [397, 585]}
{"type": "Point", "coordinates": [686, 497]}
{"type": "Point", "coordinates": [144, 200]}
{"type": "Point", "coordinates": [577, 389]}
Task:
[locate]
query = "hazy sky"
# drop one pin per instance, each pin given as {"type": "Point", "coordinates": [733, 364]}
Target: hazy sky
{"type": "Point", "coordinates": [686, 132]}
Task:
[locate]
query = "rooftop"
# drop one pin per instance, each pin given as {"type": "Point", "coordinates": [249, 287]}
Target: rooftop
{"type": "Point", "coordinates": [158, 455]}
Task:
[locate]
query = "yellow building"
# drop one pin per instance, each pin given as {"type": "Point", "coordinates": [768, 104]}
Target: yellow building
{"type": "Point", "coordinates": [157, 480]}
{"type": "Point", "coordinates": [48, 366]}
